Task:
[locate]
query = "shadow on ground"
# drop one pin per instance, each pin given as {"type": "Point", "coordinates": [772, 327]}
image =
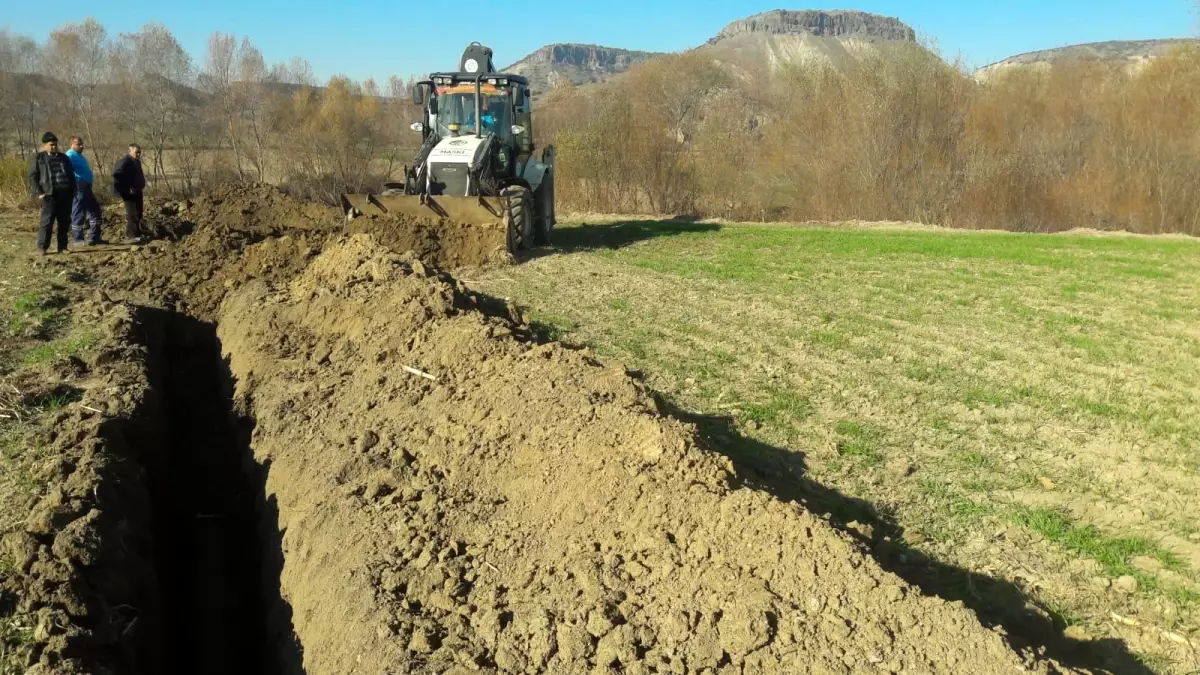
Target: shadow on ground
{"type": "Point", "coordinates": [616, 235]}
{"type": "Point", "coordinates": [1028, 625]}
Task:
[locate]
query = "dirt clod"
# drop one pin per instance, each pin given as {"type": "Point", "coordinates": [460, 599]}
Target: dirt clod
{"type": "Point", "coordinates": [1126, 584]}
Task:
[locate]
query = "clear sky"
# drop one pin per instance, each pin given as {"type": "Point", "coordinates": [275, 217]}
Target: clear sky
{"type": "Point", "coordinates": [370, 38]}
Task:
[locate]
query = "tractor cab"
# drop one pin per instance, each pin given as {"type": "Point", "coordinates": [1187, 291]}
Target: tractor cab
{"type": "Point", "coordinates": [476, 101]}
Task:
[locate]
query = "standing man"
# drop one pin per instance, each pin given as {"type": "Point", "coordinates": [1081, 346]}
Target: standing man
{"type": "Point", "coordinates": [52, 181]}
{"type": "Point", "coordinates": [128, 183]}
{"type": "Point", "coordinates": [84, 206]}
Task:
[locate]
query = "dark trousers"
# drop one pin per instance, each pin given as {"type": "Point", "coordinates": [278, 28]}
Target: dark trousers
{"type": "Point", "coordinates": [85, 208]}
{"type": "Point", "coordinates": [55, 208]}
{"type": "Point", "coordinates": [133, 215]}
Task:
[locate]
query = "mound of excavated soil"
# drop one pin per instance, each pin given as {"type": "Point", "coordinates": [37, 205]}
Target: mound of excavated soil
{"type": "Point", "coordinates": [447, 244]}
{"type": "Point", "coordinates": [237, 233]}
{"type": "Point", "coordinates": [524, 508]}
{"type": "Point", "coordinates": [261, 210]}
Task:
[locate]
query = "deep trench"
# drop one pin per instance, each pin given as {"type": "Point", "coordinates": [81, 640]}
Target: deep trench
{"type": "Point", "coordinates": [217, 574]}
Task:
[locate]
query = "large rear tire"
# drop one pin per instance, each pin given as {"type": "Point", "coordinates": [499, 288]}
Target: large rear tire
{"type": "Point", "coordinates": [519, 218]}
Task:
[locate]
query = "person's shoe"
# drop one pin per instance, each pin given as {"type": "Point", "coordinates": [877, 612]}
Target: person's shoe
{"type": "Point", "coordinates": [41, 251]}
{"type": "Point", "coordinates": [98, 242]}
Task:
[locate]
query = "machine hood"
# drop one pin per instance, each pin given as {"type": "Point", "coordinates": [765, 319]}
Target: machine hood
{"type": "Point", "coordinates": [456, 150]}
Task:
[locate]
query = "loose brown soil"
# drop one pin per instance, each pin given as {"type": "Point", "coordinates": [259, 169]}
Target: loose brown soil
{"type": "Point", "coordinates": [79, 591]}
{"type": "Point", "coordinates": [528, 509]}
{"type": "Point", "coordinates": [206, 246]}
{"type": "Point", "coordinates": [452, 245]}
{"type": "Point", "coordinates": [442, 493]}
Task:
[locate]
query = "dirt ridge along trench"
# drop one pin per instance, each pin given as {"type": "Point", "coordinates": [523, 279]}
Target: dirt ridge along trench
{"type": "Point", "coordinates": [143, 554]}
{"type": "Point", "coordinates": [79, 586]}
{"type": "Point", "coordinates": [455, 499]}
{"type": "Point", "coordinates": [235, 233]}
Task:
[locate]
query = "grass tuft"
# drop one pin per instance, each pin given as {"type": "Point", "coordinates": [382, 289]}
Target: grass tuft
{"type": "Point", "coordinates": [1113, 553]}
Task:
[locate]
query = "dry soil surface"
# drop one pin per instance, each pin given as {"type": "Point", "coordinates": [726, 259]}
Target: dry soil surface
{"type": "Point", "coordinates": [442, 492]}
{"type": "Point", "coordinates": [455, 499]}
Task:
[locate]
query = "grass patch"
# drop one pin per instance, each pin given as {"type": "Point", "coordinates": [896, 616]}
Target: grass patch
{"type": "Point", "coordinates": [782, 406]}
{"type": "Point", "coordinates": [1112, 553]}
{"type": "Point", "coordinates": [66, 347]}
{"type": "Point", "coordinates": [36, 314]}
{"type": "Point", "coordinates": [859, 440]}
{"type": "Point", "coordinates": [986, 362]}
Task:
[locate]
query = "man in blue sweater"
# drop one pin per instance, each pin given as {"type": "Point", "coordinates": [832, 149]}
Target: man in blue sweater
{"type": "Point", "coordinates": [84, 206]}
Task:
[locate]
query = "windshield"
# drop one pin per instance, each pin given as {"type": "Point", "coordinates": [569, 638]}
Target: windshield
{"type": "Point", "coordinates": [457, 106]}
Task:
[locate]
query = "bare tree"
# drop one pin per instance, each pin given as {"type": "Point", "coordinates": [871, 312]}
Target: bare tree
{"type": "Point", "coordinates": [253, 94]}
{"type": "Point", "coordinates": [155, 74]}
{"type": "Point", "coordinates": [216, 79]}
{"type": "Point", "coordinates": [79, 55]}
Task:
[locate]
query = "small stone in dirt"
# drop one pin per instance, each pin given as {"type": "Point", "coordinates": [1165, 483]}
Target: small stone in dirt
{"type": "Point", "coordinates": [1077, 633]}
{"type": "Point", "coordinates": [1101, 583]}
{"type": "Point", "coordinates": [901, 467]}
{"type": "Point", "coordinates": [423, 642]}
{"type": "Point", "coordinates": [1127, 584]}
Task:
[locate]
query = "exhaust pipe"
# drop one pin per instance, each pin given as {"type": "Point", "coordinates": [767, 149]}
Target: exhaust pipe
{"type": "Point", "coordinates": [479, 105]}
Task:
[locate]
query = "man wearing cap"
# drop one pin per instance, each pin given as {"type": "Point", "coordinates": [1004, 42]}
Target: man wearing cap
{"type": "Point", "coordinates": [52, 182]}
{"type": "Point", "coordinates": [84, 206]}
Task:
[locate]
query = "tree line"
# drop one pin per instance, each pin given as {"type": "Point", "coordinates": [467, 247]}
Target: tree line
{"type": "Point", "coordinates": [898, 134]}
{"type": "Point", "coordinates": [894, 134]}
{"type": "Point", "coordinates": [230, 116]}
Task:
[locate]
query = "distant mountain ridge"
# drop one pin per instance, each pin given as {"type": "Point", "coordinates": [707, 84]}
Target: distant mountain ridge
{"type": "Point", "coordinates": [578, 64]}
{"type": "Point", "coordinates": [1134, 53]}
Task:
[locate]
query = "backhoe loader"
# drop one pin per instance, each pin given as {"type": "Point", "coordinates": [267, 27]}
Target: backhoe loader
{"type": "Point", "coordinates": [477, 166]}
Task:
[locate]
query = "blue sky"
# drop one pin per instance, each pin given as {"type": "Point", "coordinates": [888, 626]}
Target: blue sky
{"type": "Point", "coordinates": [368, 38]}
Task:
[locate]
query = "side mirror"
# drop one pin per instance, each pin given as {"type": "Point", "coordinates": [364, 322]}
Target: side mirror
{"type": "Point", "coordinates": [517, 129]}
{"type": "Point", "coordinates": [418, 94]}
{"type": "Point", "coordinates": [417, 126]}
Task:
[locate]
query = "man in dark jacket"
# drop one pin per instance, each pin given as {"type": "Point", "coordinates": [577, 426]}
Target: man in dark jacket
{"type": "Point", "coordinates": [128, 183]}
{"type": "Point", "coordinates": [52, 181]}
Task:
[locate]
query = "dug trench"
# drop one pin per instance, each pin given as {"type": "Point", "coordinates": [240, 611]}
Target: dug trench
{"type": "Point", "coordinates": [206, 500]}
{"type": "Point", "coordinates": [361, 466]}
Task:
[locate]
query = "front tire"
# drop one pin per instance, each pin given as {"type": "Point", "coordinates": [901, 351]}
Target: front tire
{"type": "Point", "coordinates": [518, 218]}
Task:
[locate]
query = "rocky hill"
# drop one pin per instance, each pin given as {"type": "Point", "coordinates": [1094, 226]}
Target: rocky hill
{"type": "Point", "coordinates": [556, 64]}
{"type": "Point", "coordinates": [829, 24]}
{"type": "Point", "coordinates": [807, 36]}
{"type": "Point", "coordinates": [1133, 53]}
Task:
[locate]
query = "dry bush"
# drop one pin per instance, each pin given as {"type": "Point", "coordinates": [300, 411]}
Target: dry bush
{"type": "Point", "coordinates": [897, 134]}
{"type": "Point", "coordinates": [13, 190]}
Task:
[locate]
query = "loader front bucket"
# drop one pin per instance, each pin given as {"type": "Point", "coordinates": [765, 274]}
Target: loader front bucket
{"type": "Point", "coordinates": [467, 210]}
{"type": "Point", "coordinates": [447, 231]}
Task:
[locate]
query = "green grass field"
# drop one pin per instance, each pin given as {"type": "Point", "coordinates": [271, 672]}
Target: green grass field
{"type": "Point", "coordinates": [1024, 408]}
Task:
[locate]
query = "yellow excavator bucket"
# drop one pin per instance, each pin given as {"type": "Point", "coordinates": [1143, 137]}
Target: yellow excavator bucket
{"type": "Point", "coordinates": [449, 231]}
